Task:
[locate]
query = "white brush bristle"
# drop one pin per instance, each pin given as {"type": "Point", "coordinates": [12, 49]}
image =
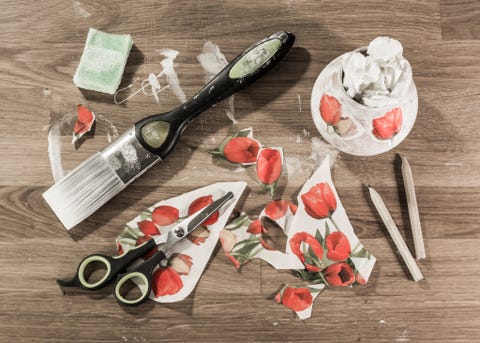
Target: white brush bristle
{"type": "Point", "coordinates": [83, 191]}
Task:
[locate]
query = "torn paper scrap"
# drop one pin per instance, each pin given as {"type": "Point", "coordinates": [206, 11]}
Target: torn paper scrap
{"type": "Point", "coordinates": [176, 279]}
{"type": "Point", "coordinates": [299, 298]}
{"type": "Point", "coordinates": [240, 148]}
{"type": "Point", "coordinates": [322, 237]}
{"type": "Point", "coordinates": [84, 123]}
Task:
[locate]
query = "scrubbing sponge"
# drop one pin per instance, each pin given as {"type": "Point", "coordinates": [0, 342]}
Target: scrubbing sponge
{"type": "Point", "coordinates": [103, 61]}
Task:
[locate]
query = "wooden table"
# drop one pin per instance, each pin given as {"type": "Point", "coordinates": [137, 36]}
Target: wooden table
{"type": "Point", "coordinates": [41, 43]}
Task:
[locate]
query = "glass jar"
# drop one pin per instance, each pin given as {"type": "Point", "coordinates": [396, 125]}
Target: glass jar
{"type": "Point", "coordinates": [355, 128]}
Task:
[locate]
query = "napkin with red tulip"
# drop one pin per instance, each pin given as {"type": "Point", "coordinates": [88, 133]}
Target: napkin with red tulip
{"type": "Point", "coordinates": [176, 279]}
{"type": "Point", "coordinates": [321, 249]}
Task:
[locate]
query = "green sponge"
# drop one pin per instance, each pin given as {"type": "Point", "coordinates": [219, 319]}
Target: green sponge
{"type": "Point", "coordinates": [103, 61]}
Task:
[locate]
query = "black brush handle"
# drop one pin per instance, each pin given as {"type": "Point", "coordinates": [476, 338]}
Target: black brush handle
{"type": "Point", "coordinates": [159, 133]}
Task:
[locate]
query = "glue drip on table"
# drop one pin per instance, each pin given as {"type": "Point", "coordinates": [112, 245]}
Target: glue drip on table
{"type": "Point", "coordinates": [379, 76]}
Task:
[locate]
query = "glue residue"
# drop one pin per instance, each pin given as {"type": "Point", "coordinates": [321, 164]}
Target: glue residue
{"type": "Point", "coordinates": [151, 85]}
{"type": "Point", "coordinates": [55, 145]}
{"type": "Point", "coordinates": [213, 61]}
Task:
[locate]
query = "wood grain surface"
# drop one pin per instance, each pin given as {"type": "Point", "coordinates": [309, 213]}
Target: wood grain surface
{"type": "Point", "coordinates": [40, 46]}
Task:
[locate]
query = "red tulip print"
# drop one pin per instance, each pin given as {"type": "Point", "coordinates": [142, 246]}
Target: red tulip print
{"type": "Point", "coordinates": [241, 150]}
{"type": "Point", "coordinates": [340, 274]}
{"type": "Point", "coordinates": [295, 244]}
{"type": "Point", "coordinates": [148, 228]}
{"type": "Point", "coordinates": [276, 209]}
{"type": "Point", "coordinates": [181, 263]}
{"type": "Point", "coordinates": [166, 281]}
{"type": "Point", "coordinates": [320, 201]}
{"type": "Point", "coordinates": [256, 227]}
{"type": "Point", "coordinates": [140, 241]}
{"type": "Point", "coordinates": [389, 125]}
{"type": "Point", "coordinates": [85, 120]}
{"type": "Point", "coordinates": [269, 166]}
{"type": "Point", "coordinates": [120, 249]}
{"type": "Point", "coordinates": [360, 279]}
{"type": "Point", "coordinates": [330, 109]}
{"type": "Point", "coordinates": [199, 204]}
{"type": "Point", "coordinates": [338, 246]}
{"type": "Point", "coordinates": [165, 215]}
{"type": "Point", "coordinates": [297, 299]}
{"type": "Point", "coordinates": [228, 240]}
{"type": "Point", "coordinates": [199, 235]}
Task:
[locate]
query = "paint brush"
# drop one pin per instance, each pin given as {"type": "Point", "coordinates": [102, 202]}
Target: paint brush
{"type": "Point", "coordinates": [89, 186]}
{"type": "Point", "coordinates": [413, 209]}
{"type": "Point", "coordinates": [395, 234]}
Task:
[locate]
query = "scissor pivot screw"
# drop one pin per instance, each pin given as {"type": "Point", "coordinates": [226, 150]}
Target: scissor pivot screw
{"type": "Point", "coordinates": [179, 232]}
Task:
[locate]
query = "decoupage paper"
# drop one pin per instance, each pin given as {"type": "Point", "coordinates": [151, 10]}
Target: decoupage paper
{"type": "Point", "coordinates": [322, 247]}
{"type": "Point", "coordinates": [176, 279]}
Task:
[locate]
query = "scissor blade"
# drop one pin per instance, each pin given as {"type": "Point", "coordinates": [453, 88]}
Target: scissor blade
{"type": "Point", "coordinates": [180, 231]}
{"type": "Point", "coordinates": [208, 211]}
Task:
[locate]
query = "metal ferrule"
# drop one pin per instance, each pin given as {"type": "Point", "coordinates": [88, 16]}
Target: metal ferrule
{"type": "Point", "coordinates": [127, 157]}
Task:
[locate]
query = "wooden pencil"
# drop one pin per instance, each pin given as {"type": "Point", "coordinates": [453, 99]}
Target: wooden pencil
{"type": "Point", "coordinates": [395, 234]}
{"type": "Point", "coordinates": [413, 210]}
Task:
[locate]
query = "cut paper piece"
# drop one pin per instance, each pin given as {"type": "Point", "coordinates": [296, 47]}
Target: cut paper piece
{"type": "Point", "coordinates": [269, 168]}
{"type": "Point", "coordinates": [240, 147]}
{"type": "Point", "coordinates": [244, 239]}
{"type": "Point", "coordinates": [84, 123]}
{"type": "Point", "coordinates": [299, 298]}
{"type": "Point", "coordinates": [321, 248]}
{"type": "Point", "coordinates": [103, 61]}
{"type": "Point", "coordinates": [322, 237]}
{"type": "Point", "coordinates": [213, 61]}
{"type": "Point", "coordinates": [176, 279]}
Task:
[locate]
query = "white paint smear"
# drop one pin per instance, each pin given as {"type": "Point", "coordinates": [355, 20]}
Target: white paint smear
{"type": "Point", "coordinates": [79, 10]}
{"type": "Point", "coordinates": [55, 144]}
{"type": "Point", "coordinates": [213, 61]}
{"type": "Point", "coordinates": [170, 74]}
{"type": "Point", "coordinates": [320, 150]}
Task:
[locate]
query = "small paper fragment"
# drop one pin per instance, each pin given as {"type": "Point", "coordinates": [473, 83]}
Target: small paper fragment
{"type": "Point", "coordinates": [84, 123]}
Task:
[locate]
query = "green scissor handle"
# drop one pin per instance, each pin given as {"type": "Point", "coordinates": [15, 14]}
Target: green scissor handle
{"type": "Point", "coordinates": [141, 277]}
{"type": "Point", "coordinates": [113, 266]}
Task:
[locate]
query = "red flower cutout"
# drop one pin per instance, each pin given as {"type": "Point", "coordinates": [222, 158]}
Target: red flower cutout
{"type": "Point", "coordinates": [297, 299]}
{"type": "Point", "coordinates": [241, 150]}
{"type": "Point", "coordinates": [315, 246]}
{"type": "Point", "coordinates": [360, 279]}
{"type": "Point", "coordinates": [165, 215]}
{"type": "Point", "coordinates": [120, 249]}
{"type": "Point", "coordinates": [148, 228]}
{"type": "Point", "coordinates": [276, 209]}
{"type": "Point", "coordinates": [389, 125]}
{"type": "Point", "coordinates": [140, 241]}
{"type": "Point", "coordinates": [199, 235]}
{"type": "Point", "coordinates": [339, 274]}
{"type": "Point", "coordinates": [330, 109]}
{"type": "Point", "coordinates": [320, 201]}
{"type": "Point", "coordinates": [256, 227]}
{"type": "Point", "coordinates": [338, 246]}
{"type": "Point", "coordinates": [85, 119]}
{"type": "Point", "coordinates": [269, 166]}
{"type": "Point", "coordinates": [166, 281]}
{"type": "Point", "coordinates": [181, 263]}
{"type": "Point", "coordinates": [200, 203]}
{"type": "Point", "coordinates": [228, 240]}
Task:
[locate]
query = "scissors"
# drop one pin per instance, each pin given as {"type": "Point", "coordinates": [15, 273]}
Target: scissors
{"type": "Point", "coordinates": [140, 274]}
